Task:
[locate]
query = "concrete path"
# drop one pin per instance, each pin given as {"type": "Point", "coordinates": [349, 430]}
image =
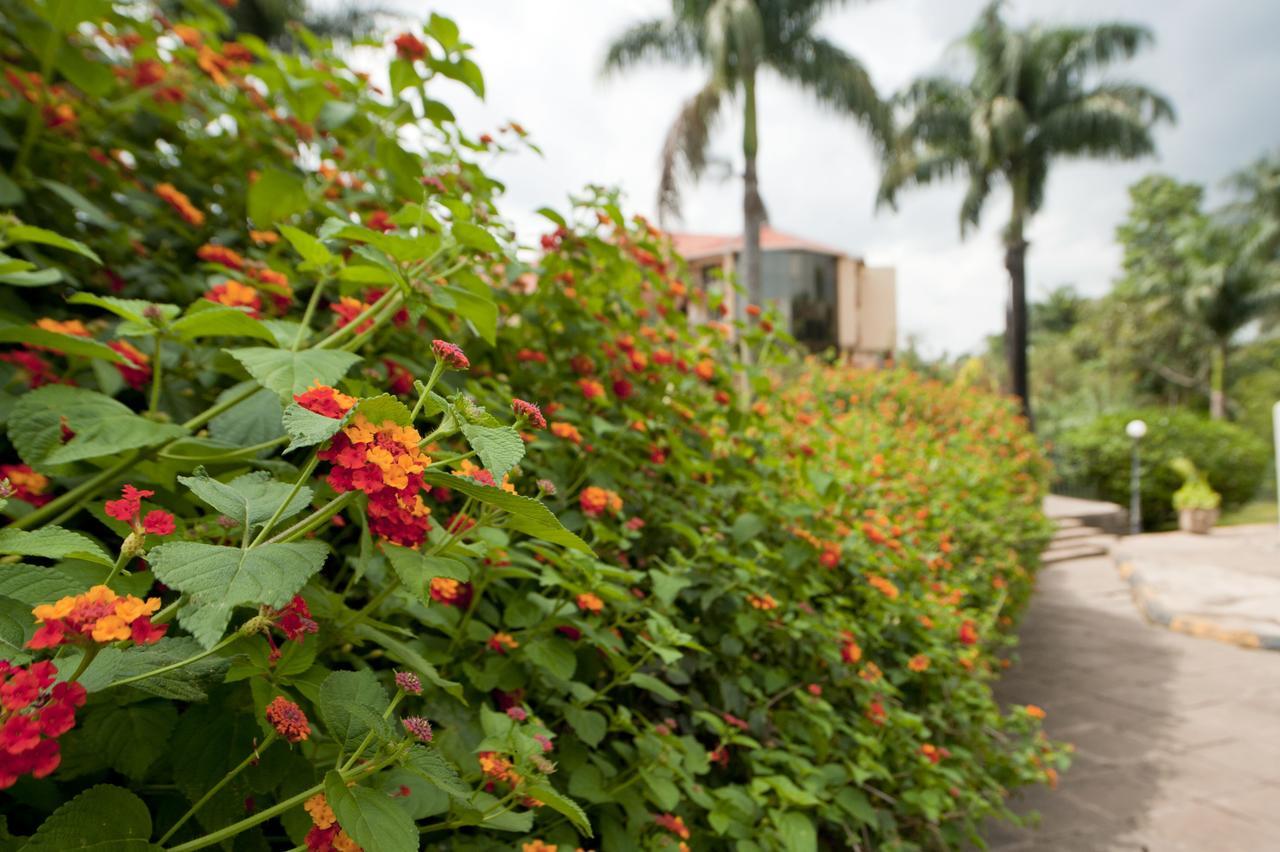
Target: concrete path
{"type": "Point", "coordinates": [1177, 738]}
{"type": "Point", "coordinates": [1224, 586]}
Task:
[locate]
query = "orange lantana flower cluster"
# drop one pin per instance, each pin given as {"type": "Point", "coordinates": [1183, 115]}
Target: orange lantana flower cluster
{"type": "Point", "coordinates": [384, 462]}
{"type": "Point", "coordinates": [325, 834]}
{"type": "Point", "coordinates": [98, 615]}
{"type": "Point", "coordinates": [497, 768]}
{"type": "Point", "coordinates": [596, 501]}
{"type": "Point", "coordinates": [325, 401]}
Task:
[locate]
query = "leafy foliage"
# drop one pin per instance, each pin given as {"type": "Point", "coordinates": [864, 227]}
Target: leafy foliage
{"type": "Point", "coordinates": [331, 592]}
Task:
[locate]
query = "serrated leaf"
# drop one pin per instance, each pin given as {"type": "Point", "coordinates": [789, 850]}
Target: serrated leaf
{"type": "Point", "coordinates": [305, 428]}
{"type": "Point", "coordinates": [249, 499]}
{"type": "Point", "coordinates": [102, 819]}
{"type": "Point", "coordinates": [217, 579]}
{"type": "Point", "coordinates": [351, 705]}
{"type": "Point", "coordinates": [383, 407]}
{"type": "Point", "coordinates": [555, 655]}
{"type": "Point", "coordinates": [254, 421]}
{"type": "Point", "coordinates": [43, 236]}
{"type": "Point", "coordinates": [67, 344]}
{"type": "Point", "coordinates": [481, 311]}
{"type": "Point", "coordinates": [17, 626]}
{"type": "Point", "coordinates": [370, 817]}
{"type": "Point", "coordinates": [523, 513]}
{"type": "Point", "coordinates": [797, 832]}
{"type": "Point", "coordinates": [289, 373]}
{"type": "Point", "coordinates": [102, 426]}
{"type": "Point", "coordinates": [207, 319]}
{"type": "Point", "coordinates": [188, 683]}
{"type": "Point", "coordinates": [427, 762]}
{"type": "Point", "coordinates": [589, 725]}
{"type": "Point", "coordinates": [132, 737]}
{"type": "Point", "coordinates": [52, 543]}
{"type": "Point", "coordinates": [557, 801]}
{"type": "Point", "coordinates": [416, 570]}
{"type": "Point", "coordinates": [499, 448]}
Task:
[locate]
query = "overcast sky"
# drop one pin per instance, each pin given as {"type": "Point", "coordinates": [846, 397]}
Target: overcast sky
{"type": "Point", "coordinates": [1217, 61]}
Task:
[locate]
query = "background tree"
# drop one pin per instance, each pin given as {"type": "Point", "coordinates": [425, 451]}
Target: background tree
{"type": "Point", "coordinates": [1031, 100]}
{"type": "Point", "coordinates": [735, 40]}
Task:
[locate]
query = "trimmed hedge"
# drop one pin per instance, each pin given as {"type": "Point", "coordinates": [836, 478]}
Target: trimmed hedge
{"type": "Point", "coordinates": [1234, 459]}
{"type": "Point", "coordinates": [363, 598]}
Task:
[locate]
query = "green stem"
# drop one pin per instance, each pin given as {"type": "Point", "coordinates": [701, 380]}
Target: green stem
{"type": "Point", "coordinates": [75, 496]}
{"type": "Point", "coordinates": [157, 373]}
{"type": "Point", "coordinates": [175, 666]}
{"type": "Point", "coordinates": [213, 791]}
{"type": "Point", "coordinates": [166, 614]}
{"type": "Point", "coordinates": [125, 555]}
{"type": "Point", "coordinates": [297, 485]}
{"type": "Point", "coordinates": [374, 603]}
{"type": "Point", "coordinates": [436, 372]}
{"type": "Point", "coordinates": [305, 326]}
{"type": "Point", "coordinates": [368, 738]}
{"type": "Point", "coordinates": [213, 411]}
{"type": "Point", "coordinates": [386, 313]}
{"type": "Point", "coordinates": [252, 450]}
{"type": "Point", "coordinates": [89, 654]}
{"type": "Point", "coordinates": [315, 519]}
{"type": "Point", "coordinates": [351, 327]}
{"type": "Point", "coordinates": [450, 460]}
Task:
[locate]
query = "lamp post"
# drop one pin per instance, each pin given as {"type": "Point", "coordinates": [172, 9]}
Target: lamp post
{"type": "Point", "coordinates": [1135, 429]}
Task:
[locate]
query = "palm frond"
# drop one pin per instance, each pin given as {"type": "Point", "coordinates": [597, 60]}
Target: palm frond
{"type": "Point", "coordinates": [734, 35]}
{"type": "Point", "coordinates": [837, 80]}
{"type": "Point", "coordinates": [975, 197]}
{"type": "Point", "coordinates": [1112, 120]}
{"type": "Point", "coordinates": [684, 152]}
{"type": "Point", "coordinates": [659, 40]}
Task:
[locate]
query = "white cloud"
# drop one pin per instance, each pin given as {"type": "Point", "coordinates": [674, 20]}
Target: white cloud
{"type": "Point", "coordinates": [541, 61]}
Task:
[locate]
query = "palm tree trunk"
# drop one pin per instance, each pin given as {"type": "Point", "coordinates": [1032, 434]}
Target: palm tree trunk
{"type": "Point", "coordinates": [752, 205]}
{"type": "Point", "coordinates": [1015, 317]}
{"type": "Point", "coordinates": [1218, 382]}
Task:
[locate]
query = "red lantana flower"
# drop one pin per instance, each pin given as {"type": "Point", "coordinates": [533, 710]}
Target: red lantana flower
{"type": "Point", "coordinates": [136, 369]}
{"type": "Point", "coordinates": [129, 509]}
{"type": "Point", "coordinates": [25, 484]}
{"type": "Point", "coordinates": [325, 401]}
{"type": "Point", "coordinates": [288, 719]}
{"type": "Point", "coordinates": [97, 616]}
{"type": "Point", "coordinates": [34, 712]}
{"type": "Point", "coordinates": [450, 355]}
{"type": "Point", "coordinates": [409, 47]}
{"type": "Point", "coordinates": [529, 412]}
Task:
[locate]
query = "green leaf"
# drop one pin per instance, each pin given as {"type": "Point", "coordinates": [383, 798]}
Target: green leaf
{"type": "Point", "coordinates": [290, 373]}
{"type": "Point", "coordinates": [256, 420]}
{"type": "Point", "coordinates": [52, 543]}
{"type": "Point", "coordinates": [35, 278]}
{"type": "Point", "coordinates": [416, 569]}
{"type": "Point", "coordinates": [404, 653]}
{"type": "Point", "coordinates": [217, 579]}
{"type": "Point", "coordinates": [311, 249]}
{"type": "Point", "coordinates": [372, 818]}
{"type": "Point", "coordinates": [523, 513]}
{"type": "Point", "coordinates": [11, 195]}
{"type": "Point", "coordinates": [102, 426]}
{"type": "Point", "coordinates": [32, 234]}
{"type": "Point", "coordinates": [92, 213]}
{"type": "Point", "coordinates": [555, 655]}
{"type": "Point", "coordinates": [133, 310]}
{"type": "Point", "coordinates": [652, 684]}
{"type": "Point", "coordinates": [797, 831]}
{"type": "Point", "coordinates": [481, 311]}
{"type": "Point", "coordinates": [589, 725]}
{"type": "Point", "coordinates": [427, 762]}
{"type": "Point", "coordinates": [67, 344]}
{"type": "Point", "coordinates": [476, 237]}
{"type": "Point", "coordinates": [17, 626]}
{"type": "Point", "coordinates": [747, 527]}
{"type": "Point", "coordinates": [855, 803]}
{"type": "Point", "coordinates": [274, 196]}
{"type": "Point", "coordinates": [383, 407]}
{"type": "Point", "coordinates": [132, 737]}
{"type": "Point", "coordinates": [500, 448]}
{"type": "Point", "coordinates": [554, 799]}
{"type": "Point", "coordinates": [305, 428]}
{"type": "Point", "coordinates": [351, 705]}
{"type": "Point", "coordinates": [208, 319]}
{"type": "Point", "coordinates": [249, 499]}
{"type": "Point", "coordinates": [102, 819]}
{"type": "Point", "coordinates": [188, 683]}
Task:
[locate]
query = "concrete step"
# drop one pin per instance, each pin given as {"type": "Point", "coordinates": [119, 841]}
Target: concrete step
{"type": "Point", "coordinates": [1080, 551]}
{"type": "Point", "coordinates": [1075, 532]}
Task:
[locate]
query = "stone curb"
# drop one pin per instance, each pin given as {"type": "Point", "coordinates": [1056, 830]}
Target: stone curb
{"type": "Point", "coordinates": [1144, 597]}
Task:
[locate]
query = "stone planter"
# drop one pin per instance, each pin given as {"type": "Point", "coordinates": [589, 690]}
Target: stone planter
{"type": "Point", "coordinates": [1199, 521]}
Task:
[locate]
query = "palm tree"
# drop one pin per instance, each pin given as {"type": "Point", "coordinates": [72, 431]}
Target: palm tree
{"type": "Point", "coordinates": [1031, 100]}
{"type": "Point", "coordinates": [735, 40]}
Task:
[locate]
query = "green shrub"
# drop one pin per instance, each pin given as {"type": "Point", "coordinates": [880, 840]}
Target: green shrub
{"type": "Point", "coordinates": [767, 623]}
{"type": "Point", "coordinates": [1098, 455]}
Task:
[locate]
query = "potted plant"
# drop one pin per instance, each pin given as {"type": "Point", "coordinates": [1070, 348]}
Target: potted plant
{"type": "Point", "coordinates": [1195, 502]}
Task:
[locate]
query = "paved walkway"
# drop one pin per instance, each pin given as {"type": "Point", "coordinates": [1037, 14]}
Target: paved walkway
{"type": "Point", "coordinates": [1177, 738]}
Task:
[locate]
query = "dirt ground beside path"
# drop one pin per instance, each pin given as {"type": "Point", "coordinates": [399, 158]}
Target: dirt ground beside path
{"type": "Point", "coordinates": [1177, 737]}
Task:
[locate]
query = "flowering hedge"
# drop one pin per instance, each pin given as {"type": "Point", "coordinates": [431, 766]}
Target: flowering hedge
{"type": "Point", "coordinates": [337, 522]}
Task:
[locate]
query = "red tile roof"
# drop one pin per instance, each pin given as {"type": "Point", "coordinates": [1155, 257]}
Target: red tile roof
{"type": "Point", "coordinates": [700, 246]}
